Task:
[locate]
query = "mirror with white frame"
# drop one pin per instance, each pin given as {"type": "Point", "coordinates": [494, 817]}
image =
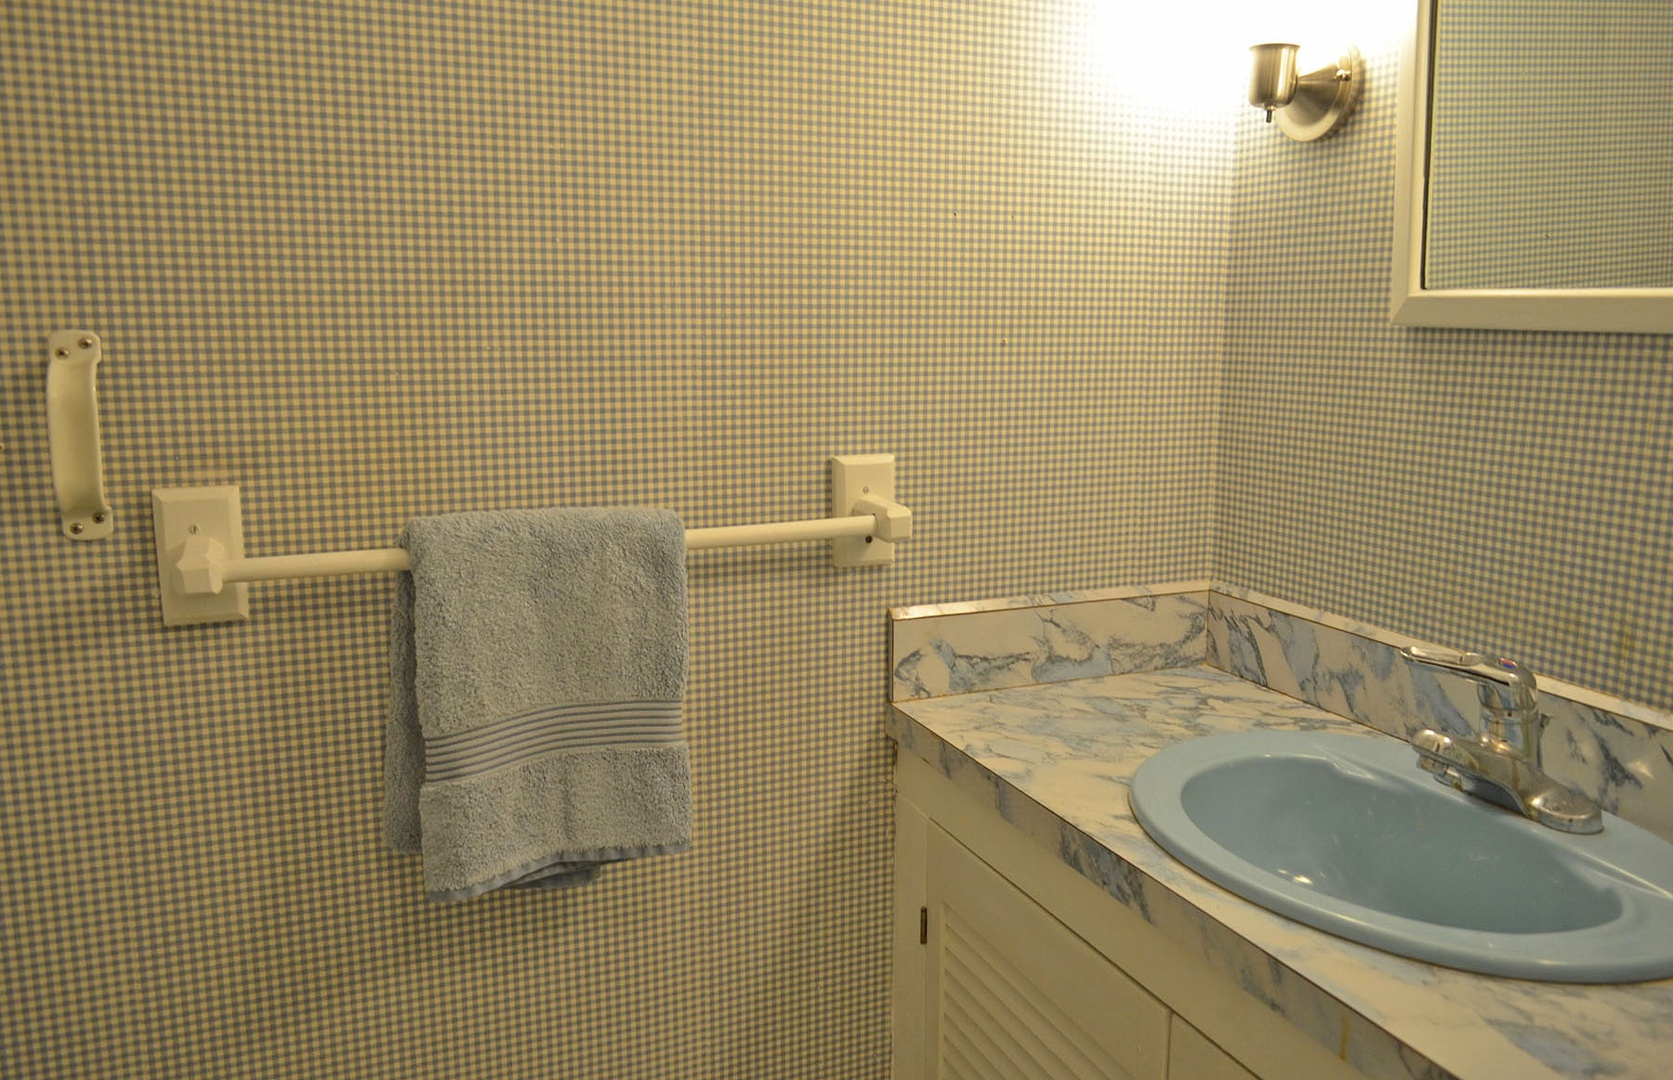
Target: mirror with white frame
{"type": "Point", "coordinates": [1534, 190]}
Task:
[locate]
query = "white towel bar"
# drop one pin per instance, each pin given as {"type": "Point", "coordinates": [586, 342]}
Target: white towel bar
{"type": "Point", "coordinates": [377, 560]}
{"type": "Point", "coordinates": [202, 569]}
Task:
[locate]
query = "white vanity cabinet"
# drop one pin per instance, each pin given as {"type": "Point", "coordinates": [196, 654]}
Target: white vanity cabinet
{"type": "Point", "coordinates": [1008, 964]}
{"type": "Point", "coordinates": [1010, 991]}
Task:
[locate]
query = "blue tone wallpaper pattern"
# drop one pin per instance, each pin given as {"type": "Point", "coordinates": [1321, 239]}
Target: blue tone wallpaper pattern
{"type": "Point", "coordinates": [368, 261]}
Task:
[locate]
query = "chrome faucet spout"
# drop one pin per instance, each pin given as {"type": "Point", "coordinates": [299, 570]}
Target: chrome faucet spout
{"type": "Point", "coordinates": [1507, 691]}
{"type": "Point", "coordinates": [1501, 762]}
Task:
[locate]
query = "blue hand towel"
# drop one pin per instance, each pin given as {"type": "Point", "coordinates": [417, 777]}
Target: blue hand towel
{"type": "Point", "coordinates": [537, 664]}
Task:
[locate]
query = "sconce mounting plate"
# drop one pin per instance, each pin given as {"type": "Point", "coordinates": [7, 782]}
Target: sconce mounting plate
{"type": "Point", "coordinates": [1324, 99]}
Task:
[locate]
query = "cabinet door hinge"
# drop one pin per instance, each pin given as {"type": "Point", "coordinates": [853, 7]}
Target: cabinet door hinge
{"type": "Point", "coordinates": [923, 926]}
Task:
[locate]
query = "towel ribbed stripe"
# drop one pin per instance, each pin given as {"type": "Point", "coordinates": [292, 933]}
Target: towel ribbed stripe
{"type": "Point", "coordinates": [562, 727]}
{"type": "Point", "coordinates": [583, 729]}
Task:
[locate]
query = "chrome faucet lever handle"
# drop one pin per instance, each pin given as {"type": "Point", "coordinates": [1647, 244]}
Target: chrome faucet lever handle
{"type": "Point", "coordinates": [1507, 691]}
{"type": "Point", "coordinates": [1523, 688]}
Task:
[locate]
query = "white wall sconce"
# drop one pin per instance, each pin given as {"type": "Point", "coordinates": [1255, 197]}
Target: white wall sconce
{"type": "Point", "coordinates": [1310, 106]}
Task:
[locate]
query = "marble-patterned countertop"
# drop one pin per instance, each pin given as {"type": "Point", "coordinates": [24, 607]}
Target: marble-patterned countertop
{"type": "Point", "coordinates": [1055, 759]}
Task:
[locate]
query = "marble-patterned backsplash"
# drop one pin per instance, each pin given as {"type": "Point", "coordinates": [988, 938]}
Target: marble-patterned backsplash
{"type": "Point", "coordinates": [938, 649]}
{"type": "Point", "coordinates": [1619, 752]}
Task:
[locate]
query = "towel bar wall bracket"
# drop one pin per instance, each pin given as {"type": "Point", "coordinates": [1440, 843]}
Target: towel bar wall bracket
{"type": "Point", "coordinates": [865, 484]}
{"type": "Point", "coordinates": [201, 567]}
{"type": "Point", "coordinates": [199, 532]}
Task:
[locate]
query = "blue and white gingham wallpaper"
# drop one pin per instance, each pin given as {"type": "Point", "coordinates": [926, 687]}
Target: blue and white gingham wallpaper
{"type": "Point", "coordinates": [371, 260]}
{"type": "Point", "coordinates": [1563, 181]}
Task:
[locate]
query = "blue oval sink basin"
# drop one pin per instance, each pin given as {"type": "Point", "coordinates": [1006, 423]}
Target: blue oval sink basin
{"type": "Point", "coordinates": [1345, 833]}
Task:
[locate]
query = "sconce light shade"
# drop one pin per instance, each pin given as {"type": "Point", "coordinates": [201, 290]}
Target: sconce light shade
{"type": "Point", "coordinates": [1274, 76]}
{"type": "Point", "coordinates": [1310, 106]}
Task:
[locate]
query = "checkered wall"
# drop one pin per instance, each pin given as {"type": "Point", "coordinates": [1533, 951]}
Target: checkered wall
{"type": "Point", "coordinates": [1547, 188]}
{"type": "Point", "coordinates": [1500, 489]}
{"type": "Point", "coordinates": [370, 260]}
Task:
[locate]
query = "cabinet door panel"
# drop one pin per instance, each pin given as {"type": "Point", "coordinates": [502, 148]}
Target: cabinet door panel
{"type": "Point", "coordinates": [1012, 993]}
{"type": "Point", "coordinates": [1192, 1057]}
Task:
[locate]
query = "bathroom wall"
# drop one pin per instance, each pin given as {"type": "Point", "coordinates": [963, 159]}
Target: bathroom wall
{"type": "Point", "coordinates": [369, 261]}
{"type": "Point", "coordinates": [1494, 489]}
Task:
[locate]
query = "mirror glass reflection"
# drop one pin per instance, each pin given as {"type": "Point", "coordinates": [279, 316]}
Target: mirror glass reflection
{"type": "Point", "coordinates": [1550, 145]}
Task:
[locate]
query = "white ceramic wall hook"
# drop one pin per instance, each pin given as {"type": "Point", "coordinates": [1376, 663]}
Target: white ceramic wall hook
{"type": "Point", "coordinates": [72, 422]}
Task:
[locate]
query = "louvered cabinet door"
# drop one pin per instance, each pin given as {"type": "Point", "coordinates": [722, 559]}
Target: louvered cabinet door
{"type": "Point", "coordinates": [1013, 994]}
